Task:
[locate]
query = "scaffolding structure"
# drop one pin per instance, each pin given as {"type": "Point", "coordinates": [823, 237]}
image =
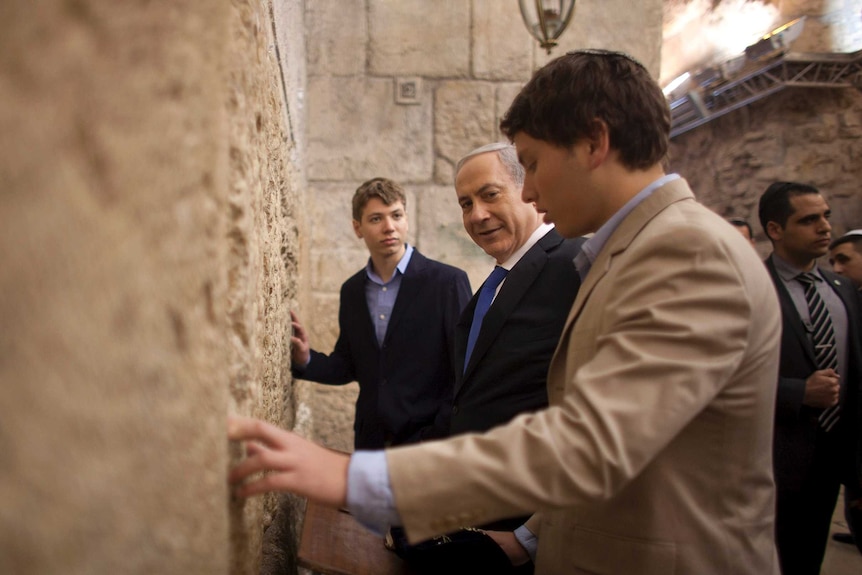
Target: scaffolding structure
{"type": "Point", "coordinates": [716, 96]}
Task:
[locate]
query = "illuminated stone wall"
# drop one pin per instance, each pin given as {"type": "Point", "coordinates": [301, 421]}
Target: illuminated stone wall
{"type": "Point", "coordinates": [811, 135]}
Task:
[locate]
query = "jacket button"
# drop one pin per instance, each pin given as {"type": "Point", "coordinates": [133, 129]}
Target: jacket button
{"type": "Point", "coordinates": [455, 410]}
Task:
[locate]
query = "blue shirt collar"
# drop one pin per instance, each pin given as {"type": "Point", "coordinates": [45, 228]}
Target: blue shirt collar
{"type": "Point", "coordinates": [401, 267]}
{"type": "Point", "coordinates": [591, 248]}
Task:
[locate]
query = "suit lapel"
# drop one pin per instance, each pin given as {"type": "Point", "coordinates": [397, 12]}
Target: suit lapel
{"type": "Point", "coordinates": [621, 238]}
{"type": "Point", "coordinates": [355, 299]}
{"type": "Point", "coordinates": [411, 282]}
{"type": "Point", "coordinates": [518, 281]}
{"type": "Point", "coordinates": [790, 314]}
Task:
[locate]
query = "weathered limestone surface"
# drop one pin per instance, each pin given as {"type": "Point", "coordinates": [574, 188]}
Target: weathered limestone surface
{"type": "Point", "coordinates": [338, 37]}
{"type": "Point", "coordinates": [148, 256]}
{"type": "Point", "coordinates": [463, 118]}
{"type": "Point", "coordinates": [502, 49]}
{"type": "Point", "coordinates": [417, 37]}
{"type": "Point", "coordinates": [113, 288]}
{"type": "Point", "coordinates": [265, 216]}
{"type": "Point", "coordinates": [356, 131]}
{"type": "Point", "coordinates": [805, 135]}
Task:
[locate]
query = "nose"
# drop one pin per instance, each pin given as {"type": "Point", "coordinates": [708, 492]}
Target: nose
{"type": "Point", "coordinates": [479, 212]}
{"type": "Point", "coordinates": [528, 192]}
{"type": "Point", "coordinates": [388, 224]}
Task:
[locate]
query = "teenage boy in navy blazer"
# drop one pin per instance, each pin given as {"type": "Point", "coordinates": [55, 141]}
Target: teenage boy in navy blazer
{"type": "Point", "coordinates": [396, 319]}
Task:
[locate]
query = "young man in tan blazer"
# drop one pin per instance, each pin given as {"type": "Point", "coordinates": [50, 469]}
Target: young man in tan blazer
{"type": "Point", "coordinates": [654, 456]}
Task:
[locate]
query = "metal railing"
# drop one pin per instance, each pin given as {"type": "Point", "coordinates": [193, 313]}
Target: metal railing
{"type": "Point", "coordinates": [761, 79]}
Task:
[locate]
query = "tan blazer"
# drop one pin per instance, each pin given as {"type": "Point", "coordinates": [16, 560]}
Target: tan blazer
{"type": "Point", "coordinates": [655, 454]}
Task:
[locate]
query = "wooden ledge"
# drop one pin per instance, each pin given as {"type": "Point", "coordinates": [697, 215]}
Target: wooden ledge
{"type": "Point", "coordinates": [334, 543]}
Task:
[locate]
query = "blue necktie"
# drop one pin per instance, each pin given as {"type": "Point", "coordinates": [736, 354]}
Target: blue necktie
{"type": "Point", "coordinates": [486, 296]}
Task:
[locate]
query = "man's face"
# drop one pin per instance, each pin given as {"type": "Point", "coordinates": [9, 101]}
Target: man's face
{"type": "Point", "coordinates": [807, 234]}
{"type": "Point", "coordinates": [384, 228]}
{"type": "Point", "coordinates": [558, 181]}
{"type": "Point", "coordinates": [847, 261]}
{"type": "Point", "coordinates": [494, 215]}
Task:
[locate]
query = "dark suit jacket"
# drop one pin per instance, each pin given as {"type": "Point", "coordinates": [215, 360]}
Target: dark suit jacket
{"type": "Point", "coordinates": [796, 424]}
{"type": "Point", "coordinates": [508, 369]}
{"type": "Point", "coordinates": [404, 382]}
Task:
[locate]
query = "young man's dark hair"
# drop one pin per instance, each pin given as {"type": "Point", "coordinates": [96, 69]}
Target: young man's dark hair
{"type": "Point", "coordinates": [775, 202]}
{"type": "Point", "coordinates": [636, 112]}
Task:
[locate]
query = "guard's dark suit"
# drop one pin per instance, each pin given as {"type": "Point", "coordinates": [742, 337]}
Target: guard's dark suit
{"type": "Point", "coordinates": [810, 463]}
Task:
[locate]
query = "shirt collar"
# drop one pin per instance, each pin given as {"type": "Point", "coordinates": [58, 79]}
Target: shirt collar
{"type": "Point", "coordinates": [401, 267]}
{"type": "Point", "coordinates": [594, 245]}
{"type": "Point", "coordinates": [537, 234]}
{"type": "Point", "coordinates": [788, 271]}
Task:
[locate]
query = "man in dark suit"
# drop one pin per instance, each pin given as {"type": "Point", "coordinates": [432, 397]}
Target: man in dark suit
{"type": "Point", "coordinates": [816, 443]}
{"type": "Point", "coordinates": [510, 345]}
{"type": "Point", "coordinates": [507, 370]}
{"type": "Point", "coordinates": [396, 320]}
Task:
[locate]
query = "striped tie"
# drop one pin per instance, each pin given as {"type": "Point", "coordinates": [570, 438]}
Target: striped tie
{"type": "Point", "coordinates": [824, 341]}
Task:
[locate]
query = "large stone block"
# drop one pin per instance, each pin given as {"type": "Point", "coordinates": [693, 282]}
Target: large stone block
{"type": "Point", "coordinates": [336, 35]}
{"type": "Point", "coordinates": [417, 37]}
{"type": "Point", "coordinates": [442, 235]}
{"type": "Point", "coordinates": [505, 95]}
{"type": "Point", "coordinates": [501, 44]}
{"type": "Point", "coordinates": [631, 27]}
{"type": "Point", "coordinates": [330, 268]}
{"type": "Point", "coordinates": [356, 131]}
{"type": "Point", "coordinates": [329, 206]}
{"type": "Point", "coordinates": [463, 117]}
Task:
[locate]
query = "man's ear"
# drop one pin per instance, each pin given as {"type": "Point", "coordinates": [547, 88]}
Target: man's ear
{"type": "Point", "coordinates": [599, 141]}
{"type": "Point", "coordinates": [356, 229]}
{"type": "Point", "coordinates": [774, 231]}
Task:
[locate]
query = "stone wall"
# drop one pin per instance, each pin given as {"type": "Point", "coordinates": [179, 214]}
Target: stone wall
{"type": "Point", "coordinates": [149, 221]}
{"type": "Point", "coordinates": [465, 60]}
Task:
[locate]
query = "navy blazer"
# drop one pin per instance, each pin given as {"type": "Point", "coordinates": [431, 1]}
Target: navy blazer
{"type": "Point", "coordinates": [796, 424]}
{"type": "Point", "coordinates": [508, 369]}
{"type": "Point", "coordinates": [404, 381]}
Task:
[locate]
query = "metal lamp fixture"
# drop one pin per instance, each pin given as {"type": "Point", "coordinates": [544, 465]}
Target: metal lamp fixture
{"type": "Point", "coordinates": [546, 19]}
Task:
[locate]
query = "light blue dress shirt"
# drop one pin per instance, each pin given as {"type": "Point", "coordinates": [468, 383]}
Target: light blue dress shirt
{"type": "Point", "coordinates": [381, 295]}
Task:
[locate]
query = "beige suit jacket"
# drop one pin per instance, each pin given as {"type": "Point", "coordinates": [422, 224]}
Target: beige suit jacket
{"type": "Point", "coordinates": [655, 454]}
